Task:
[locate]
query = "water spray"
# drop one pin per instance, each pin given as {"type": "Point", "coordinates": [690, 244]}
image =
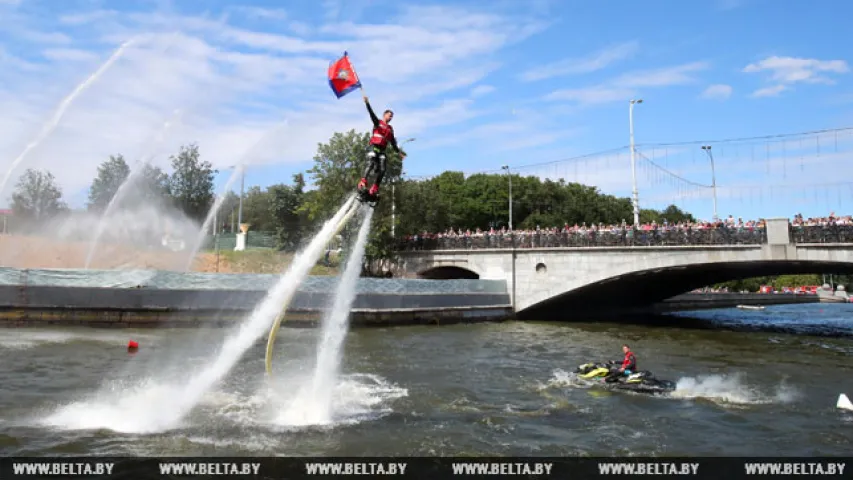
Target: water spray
{"type": "Point", "coordinates": [63, 106]}
{"type": "Point", "coordinates": [276, 325]}
{"type": "Point", "coordinates": [122, 189]}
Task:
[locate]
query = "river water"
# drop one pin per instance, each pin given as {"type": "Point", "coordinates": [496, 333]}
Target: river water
{"type": "Point", "coordinates": [749, 383]}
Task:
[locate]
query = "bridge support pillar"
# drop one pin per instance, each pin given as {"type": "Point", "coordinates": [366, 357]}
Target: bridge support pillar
{"type": "Point", "coordinates": [778, 231]}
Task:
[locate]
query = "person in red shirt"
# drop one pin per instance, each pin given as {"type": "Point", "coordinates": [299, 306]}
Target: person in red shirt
{"type": "Point", "coordinates": [628, 366]}
{"type": "Point", "coordinates": [629, 363]}
{"type": "Point", "coordinates": [383, 134]}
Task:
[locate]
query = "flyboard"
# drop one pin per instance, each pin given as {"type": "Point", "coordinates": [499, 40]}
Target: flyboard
{"type": "Point", "coordinates": [844, 403]}
{"type": "Point", "coordinates": [280, 317]}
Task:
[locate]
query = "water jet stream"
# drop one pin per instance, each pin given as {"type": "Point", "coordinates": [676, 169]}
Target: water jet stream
{"type": "Point", "coordinates": [276, 325]}
{"type": "Point", "coordinates": [63, 106]}
{"type": "Point", "coordinates": [236, 345]}
{"type": "Point", "coordinates": [335, 327]}
{"type": "Point", "coordinates": [159, 404]}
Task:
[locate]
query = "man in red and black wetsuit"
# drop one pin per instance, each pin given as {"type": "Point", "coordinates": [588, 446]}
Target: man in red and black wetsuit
{"type": "Point", "coordinates": [383, 134]}
{"type": "Point", "coordinates": [628, 366]}
{"type": "Point", "coordinates": [629, 363]}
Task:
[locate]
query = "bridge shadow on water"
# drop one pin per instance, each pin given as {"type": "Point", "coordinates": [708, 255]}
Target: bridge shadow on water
{"type": "Point", "coordinates": [818, 320]}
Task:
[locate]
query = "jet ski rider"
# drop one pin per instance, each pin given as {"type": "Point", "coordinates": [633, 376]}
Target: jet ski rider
{"type": "Point", "coordinates": [629, 363]}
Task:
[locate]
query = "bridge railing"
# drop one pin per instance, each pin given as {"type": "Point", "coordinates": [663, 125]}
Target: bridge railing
{"type": "Point", "coordinates": [822, 233]}
{"type": "Point", "coordinates": [629, 238]}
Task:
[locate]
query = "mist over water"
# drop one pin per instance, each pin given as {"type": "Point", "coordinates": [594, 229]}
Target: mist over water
{"type": "Point", "coordinates": [138, 235]}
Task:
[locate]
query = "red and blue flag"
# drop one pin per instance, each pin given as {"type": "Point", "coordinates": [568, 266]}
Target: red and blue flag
{"type": "Point", "coordinates": [342, 77]}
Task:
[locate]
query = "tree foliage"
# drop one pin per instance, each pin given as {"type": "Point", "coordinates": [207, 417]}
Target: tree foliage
{"type": "Point", "coordinates": [778, 282]}
{"type": "Point", "coordinates": [290, 220]}
{"type": "Point", "coordinates": [111, 174]}
{"type": "Point", "coordinates": [37, 197]}
{"type": "Point", "coordinates": [294, 212]}
{"type": "Point", "coordinates": [191, 182]}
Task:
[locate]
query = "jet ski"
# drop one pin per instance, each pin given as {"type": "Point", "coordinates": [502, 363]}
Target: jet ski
{"type": "Point", "coordinates": [641, 382]}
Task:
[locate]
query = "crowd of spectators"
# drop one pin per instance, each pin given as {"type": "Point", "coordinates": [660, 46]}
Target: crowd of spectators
{"type": "Point", "coordinates": [725, 231]}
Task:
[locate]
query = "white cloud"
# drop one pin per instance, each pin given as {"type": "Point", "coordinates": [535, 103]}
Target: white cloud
{"type": "Point", "coordinates": [661, 77]}
{"type": "Point", "coordinates": [87, 17]}
{"type": "Point", "coordinates": [592, 63]}
{"type": "Point", "coordinates": [262, 13]}
{"type": "Point", "coordinates": [717, 91]}
{"type": "Point", "coordinates": [230, 94]}
{"type": "Point", "coordinates": [629, 84]}
{"type": "Point", "coordinates": [481, 90]}
{"type": "Point", "coordinates": [592, 95]}
{"type": "Point", "coordinates": [70, 54]}
{"type": "Point", "coordinates": [773, 91]}
{"type": "Point", "coordinates": [786, 71]}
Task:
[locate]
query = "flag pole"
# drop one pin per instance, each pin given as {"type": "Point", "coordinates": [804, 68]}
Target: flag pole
{"type": "Point", "coordinates": [360, 87]}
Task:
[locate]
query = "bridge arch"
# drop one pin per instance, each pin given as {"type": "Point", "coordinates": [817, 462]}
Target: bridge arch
{"type": "Point", "coordinates": [649, 286]}
{"type": "Point", "coordinates": [448, 272]}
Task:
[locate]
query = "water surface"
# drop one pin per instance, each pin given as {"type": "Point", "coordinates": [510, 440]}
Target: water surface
{"type": "Point", "coordinates": [749, 383]}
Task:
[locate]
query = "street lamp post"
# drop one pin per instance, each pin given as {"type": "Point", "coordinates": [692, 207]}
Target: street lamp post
{"type": "Point", "coordinates": [636, 195]}
{"type": "Point", "coordinates": [509, 175]}
{"type": "Point", "coordinates": [242, 191]}
{"type": "Point", "coordinates": [394, 198]}
{"type": "Point", "coordinates": [707, 149]}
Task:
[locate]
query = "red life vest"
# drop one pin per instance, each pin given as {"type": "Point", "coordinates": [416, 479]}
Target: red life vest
{"type": "Point", "coordinates": [630, 360]}
{"type": "Point", "coordinates": [381, 134]}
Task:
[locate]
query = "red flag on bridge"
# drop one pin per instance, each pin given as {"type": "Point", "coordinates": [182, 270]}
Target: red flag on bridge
{"type": "Point", "coordinates": [342, 76]}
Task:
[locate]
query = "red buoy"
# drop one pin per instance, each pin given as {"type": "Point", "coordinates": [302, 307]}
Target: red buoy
{"type": "Point", "coordinates": [131, 345]}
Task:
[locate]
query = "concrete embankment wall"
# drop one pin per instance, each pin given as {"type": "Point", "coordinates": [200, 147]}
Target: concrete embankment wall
{"type": "Point", "coordinates": [145, 308]}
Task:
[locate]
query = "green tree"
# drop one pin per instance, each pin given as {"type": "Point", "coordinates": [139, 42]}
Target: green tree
{"type": "Point", "coordinates": [338, 165]}
{"type": "Point", "coordinates": [37, 197]}
{"type": "Point", "coordinates": [152, 185]}
{"type": "Point", "coordinates": [111, 174]}
{"type": "Point", "coordinates": [671, 214]}
{"type": "Point", "coordinates": [191, 183]}
{"type": "Point", "coordinates": [257, 209]}
{"type": "Point", "coordinates": [290, 222]}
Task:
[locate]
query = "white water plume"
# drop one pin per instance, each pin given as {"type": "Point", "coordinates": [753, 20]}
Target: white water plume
{"type": "Point", "coordinates": [314, 406]}
{"type": "Point", "coordinates": [730, 389]}
{"type": "Point", "coordinates": [124, 187]}
{"type": "Point", "coordinates": [63, 106]}
{"type": "Point", "coordinates": [155, 406]}
{"type": "Point", "coordinates": [723, 389]}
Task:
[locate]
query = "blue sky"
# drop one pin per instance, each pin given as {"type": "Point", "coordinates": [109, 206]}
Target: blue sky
{"type": "Point", "coordinates": [479, 84]}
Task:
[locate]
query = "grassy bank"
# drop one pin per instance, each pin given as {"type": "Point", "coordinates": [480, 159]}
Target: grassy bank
{"type": "Point", "coordinates": [256, 261]}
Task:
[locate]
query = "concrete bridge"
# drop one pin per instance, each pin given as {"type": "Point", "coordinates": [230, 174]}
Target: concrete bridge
{"type": "Point", "coordinates": [552, 279]}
